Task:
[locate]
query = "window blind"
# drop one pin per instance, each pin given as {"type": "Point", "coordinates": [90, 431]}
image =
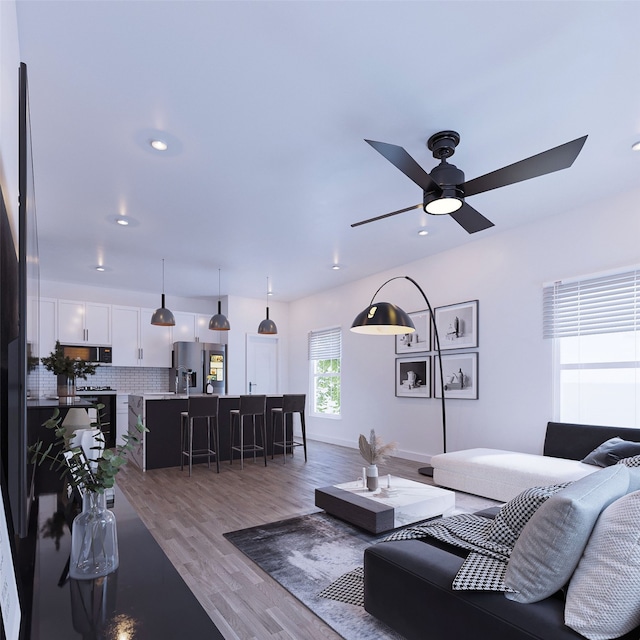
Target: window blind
{"type": "Point", "coordinates": [325, 344]}
{"type": "Point", "coordinates": [605, 304]}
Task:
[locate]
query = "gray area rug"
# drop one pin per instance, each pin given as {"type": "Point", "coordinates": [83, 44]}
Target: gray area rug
{"type": "Point", "coordinates": [308, 553]}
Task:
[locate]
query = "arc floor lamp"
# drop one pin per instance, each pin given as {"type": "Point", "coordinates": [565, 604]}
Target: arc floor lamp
{"type": "Point", "coordinates": [384, 318]}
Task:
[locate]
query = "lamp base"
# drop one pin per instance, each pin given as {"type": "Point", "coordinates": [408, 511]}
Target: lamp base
{"type": "Point", "coordinates": [426, 471]}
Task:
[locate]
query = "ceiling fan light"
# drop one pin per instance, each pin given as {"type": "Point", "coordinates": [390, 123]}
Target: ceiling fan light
{"type": "Point", "coordinates": [441, 205]}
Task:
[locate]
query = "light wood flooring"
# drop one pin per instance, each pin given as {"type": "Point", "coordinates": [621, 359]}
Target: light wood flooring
{"type": "Point", "coordinates": [188, 515]}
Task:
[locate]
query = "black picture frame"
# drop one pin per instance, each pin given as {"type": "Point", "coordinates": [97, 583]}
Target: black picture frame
{"type": "Point", "coordinates": [413, 377]}
{"type": "Point", "coordinates": [457, 325]}
{"type": "Point", "coordinates": [418, 341]}
{"type": "Point", "coordinates": [460, 372]}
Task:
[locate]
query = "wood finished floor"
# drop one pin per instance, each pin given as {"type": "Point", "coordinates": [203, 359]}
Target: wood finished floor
{"type": "Point", "coordinates": [187, 516]}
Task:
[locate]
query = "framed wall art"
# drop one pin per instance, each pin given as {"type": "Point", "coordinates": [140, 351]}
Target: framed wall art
{"type": "Point", "coordinates": [458, 325]}
{"type": "Point", "coordinates": [413, 377]}
{"type": "Point", "coordinates": [460, 373]}
{"type": "Point", "coordinates": [420, 340]}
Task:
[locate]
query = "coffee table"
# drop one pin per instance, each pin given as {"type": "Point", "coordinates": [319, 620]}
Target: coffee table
{"type": "Point", "coordinates": [404, 503]}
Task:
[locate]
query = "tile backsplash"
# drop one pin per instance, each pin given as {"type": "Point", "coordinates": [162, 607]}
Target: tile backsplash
{"type": "Point", "coordinates": [131, 380]}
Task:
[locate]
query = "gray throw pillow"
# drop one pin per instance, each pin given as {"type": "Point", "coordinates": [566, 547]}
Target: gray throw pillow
{"type": "Point", "coordinates": [515, 514]}
{"type": "Point", "coordinates": [603, 599]}
{"type": "Point", "coordinates": [549, 547]}
{"type": "Point", "coordinates": [612, 451]}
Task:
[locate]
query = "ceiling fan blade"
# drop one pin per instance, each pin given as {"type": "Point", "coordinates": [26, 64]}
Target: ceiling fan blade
{"type": "Point", "coordinates": [386, 215]}
{"type": "Point", "coordinates": [398, 157]}
{"type": "Point", "coordinates": [470, 219]}
{"type": "Point", "coordinates": [555, 159]}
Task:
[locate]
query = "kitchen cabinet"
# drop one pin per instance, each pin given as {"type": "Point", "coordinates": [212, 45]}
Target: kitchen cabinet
{"type": "Point", "coordinates": [122, 416]}
{"type": "Point", "coordinates": [47, 326]}
{"type": "Point", "coordinates": [136, 342]}
{"type": "Point", "coordinates": [203, 333]}
{"type": "Point", "coordinates": [84, 322]}
{"type": "Point", "coordinates": [185, 327]}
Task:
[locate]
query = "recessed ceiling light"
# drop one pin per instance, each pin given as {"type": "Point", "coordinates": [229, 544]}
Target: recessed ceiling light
{"type": "Point", "coordinates": [635, 146]}
{"type": "Point", "coordinates": [336, 267]}
{"type": "Point", "coordinates": [100, 268]}
{"type": "Point", "coordinates": [122, 221]}
{"type": "Point", "coordinates": [423, 232]}
{"type": "Point", "coordinates": [158, 145]}
{"type": "Point", "coordinates": [269, 293]}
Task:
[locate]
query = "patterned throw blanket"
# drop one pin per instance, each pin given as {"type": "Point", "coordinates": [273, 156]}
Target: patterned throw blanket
{"type": "Point", "coordinates": [488, 541]}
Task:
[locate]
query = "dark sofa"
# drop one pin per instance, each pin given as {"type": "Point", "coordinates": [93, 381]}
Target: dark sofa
{"type": "Point", "coordinates": [407, 583]}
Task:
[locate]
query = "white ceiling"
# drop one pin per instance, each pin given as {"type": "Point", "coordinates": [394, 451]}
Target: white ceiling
{"type": "Point", "coordinates": [266, 106]}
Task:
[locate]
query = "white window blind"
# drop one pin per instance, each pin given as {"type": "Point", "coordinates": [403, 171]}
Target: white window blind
{"type": "Point", "coordinates": [605, 304]}
{"type": "Point", "coordinates": [325, 344]}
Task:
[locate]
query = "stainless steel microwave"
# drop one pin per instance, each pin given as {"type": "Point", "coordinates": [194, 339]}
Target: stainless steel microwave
{"type": "Point", "coordinates": [95, 355]}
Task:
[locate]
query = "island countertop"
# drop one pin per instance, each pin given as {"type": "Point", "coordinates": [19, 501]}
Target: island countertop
{"type": "Point", "coordinates": [160, 447]}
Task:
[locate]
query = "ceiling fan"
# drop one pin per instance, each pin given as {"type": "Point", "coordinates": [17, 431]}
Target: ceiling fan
{"type": "Point", "coordinates": [445, 189]}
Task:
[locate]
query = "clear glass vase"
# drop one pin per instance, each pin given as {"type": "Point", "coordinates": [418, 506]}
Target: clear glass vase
{"type": "Point", "coordinates": [94, 539]}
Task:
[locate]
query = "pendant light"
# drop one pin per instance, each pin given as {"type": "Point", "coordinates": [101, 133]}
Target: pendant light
{"type": "Point", "coordinates": [267, 326]}
{"type": "Point", "coordinates": [163, 317]}
{"type": "Point", "coordinates": [219, 322]}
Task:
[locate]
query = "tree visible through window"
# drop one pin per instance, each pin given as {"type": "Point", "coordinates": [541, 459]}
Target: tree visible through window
{"type": "Point", "coordinates": [325, 355]}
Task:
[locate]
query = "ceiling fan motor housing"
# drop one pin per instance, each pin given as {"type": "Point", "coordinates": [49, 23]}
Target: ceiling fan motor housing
{"type": "Point", "coordinates": [450, 179]}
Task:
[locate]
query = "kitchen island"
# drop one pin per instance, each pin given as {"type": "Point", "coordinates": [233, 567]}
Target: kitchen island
{"type": "Point", "coordinates": [160, 412]}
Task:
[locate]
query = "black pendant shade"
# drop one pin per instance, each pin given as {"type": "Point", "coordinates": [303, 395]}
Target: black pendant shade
{"type": "Point", "coordinates": [219, 321]}
{"type": "Point", "coordinates": [267, 326]}
{"type": "Point", "coordinates": [162, 317]}
{"type": "Point", "coordinates": [383, 318]}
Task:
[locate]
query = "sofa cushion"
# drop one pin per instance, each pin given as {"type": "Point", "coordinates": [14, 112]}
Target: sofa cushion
{"type": "Point", "coordinates": [612, 451]}
{"type": "Point", "coordinates": [515, 514]}
{"type": "Point", "coordinates": [603, 599]}
{"type": "Point", "coordinates": [550, 545]}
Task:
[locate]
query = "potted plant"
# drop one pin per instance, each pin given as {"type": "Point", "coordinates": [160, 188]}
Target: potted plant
{"type": "Point", "coordinates": [67, 369]}
{"type": "Point", "coordinates": [94, 542]}
{"type": "Point", "coordinates": [374, 451]}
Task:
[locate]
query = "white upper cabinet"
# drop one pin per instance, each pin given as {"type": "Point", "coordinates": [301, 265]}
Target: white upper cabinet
{"type": "Point", "coordinates": [125, 331]}
{"type": "Point", "coordinates": [203, 333]}
{"type": "Point", "coordinates": [185, 327]}
{"type": "Point", "coordinates": [138, 343]}
{"type": "Point", "coordinates": [155, 342]}
{"type": "Point", "coordinates": [84, 322]}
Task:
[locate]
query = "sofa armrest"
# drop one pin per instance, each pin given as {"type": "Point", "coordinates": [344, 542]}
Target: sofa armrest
{"type": "Point", "coordinates": [407, 585]}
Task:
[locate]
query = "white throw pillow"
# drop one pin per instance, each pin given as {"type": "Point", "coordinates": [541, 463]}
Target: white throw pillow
{"type": "Point", "coordinates": [603, 600]}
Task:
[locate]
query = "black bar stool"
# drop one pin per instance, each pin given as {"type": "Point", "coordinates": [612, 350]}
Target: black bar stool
{"type": "Point", "coordinates": [254, 406]}
{"type": "Point", "coordinates": [293, 403]}
{"type": "Point", "coordinates": [203, 409]}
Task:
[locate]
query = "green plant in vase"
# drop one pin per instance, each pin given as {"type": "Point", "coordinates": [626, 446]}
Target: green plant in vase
{"type": "Point", "coordinates": [67, 369]}
{"type": "Point", "coordinates": [94, 542]}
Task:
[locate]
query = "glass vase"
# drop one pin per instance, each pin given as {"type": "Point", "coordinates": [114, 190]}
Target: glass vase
{"type": "Point", "coordinates": [372, 477]}
{"type": "Point", "coordinates": [94, 539]}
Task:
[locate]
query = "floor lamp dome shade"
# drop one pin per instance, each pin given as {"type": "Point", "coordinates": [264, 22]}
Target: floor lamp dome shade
{"type": "Point", "coordinates": [267, 326]}
{"type": "Point", "coordinates": [219, 321]}
{"type": "Point", "coordinates": [383, 318]}
{"type": "Point", "coordinates": [162, 317]}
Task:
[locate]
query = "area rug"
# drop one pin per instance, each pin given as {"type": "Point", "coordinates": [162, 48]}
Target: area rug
{"type": "Point", "coordinates": [309, 553]}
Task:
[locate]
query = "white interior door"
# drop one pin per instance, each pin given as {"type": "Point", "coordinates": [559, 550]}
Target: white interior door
{"type": "Point", "coordinates": [262, 365]}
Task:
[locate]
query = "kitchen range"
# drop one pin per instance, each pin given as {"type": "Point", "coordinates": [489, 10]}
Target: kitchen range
{"type": "Point", "coordinates": [107, 397]}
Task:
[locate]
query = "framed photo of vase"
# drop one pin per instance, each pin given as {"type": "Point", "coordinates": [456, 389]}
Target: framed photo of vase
{"type": "Point", "coordinates": [458, 325]}
{"type": "Point", "coordinates": [460, 373]}
{"type": "Point", "coordinates": [420, 340]}
{"type": "Point", "coordinates": [413, 377]}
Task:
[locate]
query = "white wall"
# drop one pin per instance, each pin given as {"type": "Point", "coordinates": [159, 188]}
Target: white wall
{"type": "Point", "coordinates": [505, 272]}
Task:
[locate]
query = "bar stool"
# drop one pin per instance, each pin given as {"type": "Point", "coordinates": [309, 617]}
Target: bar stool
{"type": "Point", "coordinates": [293, 403]}
{"type": "Point", "coordinates": [249, 406]}
{"type": "Point", "coordinates": [202, 409]}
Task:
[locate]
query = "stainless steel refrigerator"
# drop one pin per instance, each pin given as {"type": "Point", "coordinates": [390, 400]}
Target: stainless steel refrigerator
{"type": "Point", "coordinates": [199, 364]}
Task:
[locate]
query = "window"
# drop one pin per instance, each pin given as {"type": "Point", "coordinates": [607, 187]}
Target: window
{"type": "Point", "coordinates": [595, 326]}
{"type": "Point", "coordinates": [325, 354]}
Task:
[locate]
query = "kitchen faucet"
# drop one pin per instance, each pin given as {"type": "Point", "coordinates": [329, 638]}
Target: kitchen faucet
{"type": "Point", "coordinates": [186, 373]}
